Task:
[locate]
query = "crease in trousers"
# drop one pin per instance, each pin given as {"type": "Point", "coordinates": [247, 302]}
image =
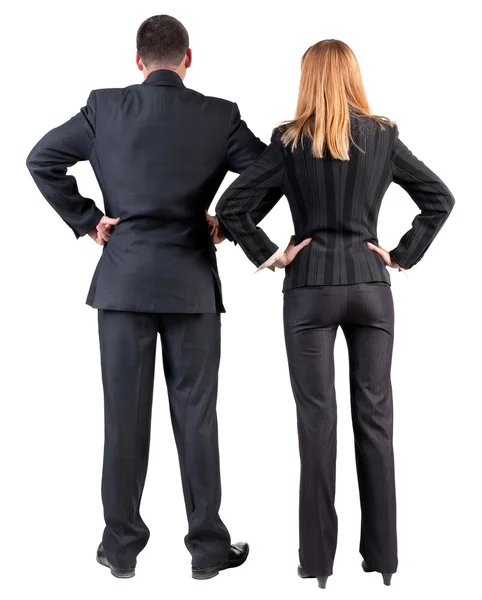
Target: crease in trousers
{"type": "Point", "coordinates": [312, 316]}
{"type": "Point", "coordinates": [191, 353]}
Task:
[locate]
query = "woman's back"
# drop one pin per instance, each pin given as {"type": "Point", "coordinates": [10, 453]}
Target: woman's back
{"type": "Point", "coordinates": [336, 203]}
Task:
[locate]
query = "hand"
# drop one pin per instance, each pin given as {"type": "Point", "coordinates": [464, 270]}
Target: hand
{"type": "Point", "coordinates": [291, 252]}
{"type": "Point", "coordinates": [215, 229]}
{"type": "Point", "coordinates": [102, 232]}
{"type": "Point", "coordinates": [385, 255]}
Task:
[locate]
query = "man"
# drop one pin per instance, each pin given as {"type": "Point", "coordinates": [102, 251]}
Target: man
{"type": "Point", "coordinates": [160, 152]}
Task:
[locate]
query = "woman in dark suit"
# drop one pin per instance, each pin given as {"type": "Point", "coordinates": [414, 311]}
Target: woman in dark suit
{"type": "Point", "coordinates": [334, 162]}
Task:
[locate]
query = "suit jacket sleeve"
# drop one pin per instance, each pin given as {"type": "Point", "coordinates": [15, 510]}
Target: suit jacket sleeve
{"type": "Point", "coordinates": [241, 200]}
{"type": "Point", "coordinates": [429, 193]}
{"type": "Point", "coordinates": [244, 148]}
{"type": "Point", "coordinates": [53, 155]}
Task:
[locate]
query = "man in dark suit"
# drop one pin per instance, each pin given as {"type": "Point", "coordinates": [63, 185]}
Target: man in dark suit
{"type": "Point", "coordinates": [160, 152]}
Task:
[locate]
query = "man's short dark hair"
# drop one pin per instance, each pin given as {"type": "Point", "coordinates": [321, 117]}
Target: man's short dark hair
{"type": "Point", "coordinates": [162, 41]}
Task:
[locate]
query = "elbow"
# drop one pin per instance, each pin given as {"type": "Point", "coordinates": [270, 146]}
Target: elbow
{"type": "Point", "coordinates": [450, 203]}
{"type": "Point", "coordinates": [38, 158]}
{"type": "Point", "coordinates": [30, 161]}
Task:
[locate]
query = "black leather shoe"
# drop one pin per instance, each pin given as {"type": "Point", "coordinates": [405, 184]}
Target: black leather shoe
{"type": "Point", "coordinates": [321, 580]}
{"type": "Point", "coordinates": [387, 577]}
{"type": "Point", "coordinates": [238, 553]}
{"type": "Point", "coordinates": [120, 573]}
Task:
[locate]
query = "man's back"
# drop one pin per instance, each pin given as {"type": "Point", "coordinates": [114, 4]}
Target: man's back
{"type": "Point", "coordinates": [160, 152]}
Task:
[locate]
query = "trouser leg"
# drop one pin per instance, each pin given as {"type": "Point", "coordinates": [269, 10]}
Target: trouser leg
{"type": "Point", "coordinates": [191, 353]}
{"type": "Point", "coordinates": [310, 318]}
{"type": "Point", "coordinates": [128, 350]}
{"type": "Point", "coordinates": [369, 336]}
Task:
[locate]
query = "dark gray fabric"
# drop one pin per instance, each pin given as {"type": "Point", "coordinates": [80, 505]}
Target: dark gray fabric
{"type": "Point", "coordinates": [191, 351]}
{"type": "Point", "coordinates": [337, 204]}
{"type": "Point", "coordinates": [159, 152]}
{"type": "Point", "coordinates": [312, 317]}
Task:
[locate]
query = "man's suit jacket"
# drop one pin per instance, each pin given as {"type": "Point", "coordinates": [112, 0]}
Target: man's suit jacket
{"type": "Point", "coordinates": [160, 152]}
{"type": "Point", "coordinates": [336, 203]}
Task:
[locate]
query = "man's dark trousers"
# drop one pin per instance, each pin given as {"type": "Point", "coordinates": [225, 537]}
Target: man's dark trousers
{"type": "Point", "coordinates": [191, 352]}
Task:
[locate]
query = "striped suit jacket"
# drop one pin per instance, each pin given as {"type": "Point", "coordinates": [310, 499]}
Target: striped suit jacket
{"type": "Point", "coordinates": [336, 203]}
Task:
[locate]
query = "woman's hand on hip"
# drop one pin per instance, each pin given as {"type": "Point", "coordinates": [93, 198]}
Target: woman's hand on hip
{"type": "Point", "coordinates": [291, 252]}
{"type": "Point", "coordinates": [385, 255]}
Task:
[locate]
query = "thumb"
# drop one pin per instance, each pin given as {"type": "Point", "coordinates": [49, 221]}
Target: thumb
{"type": "Point", "coordinates": [302, 244]}
{"type": "Point", "coordinates": [375, 248]}
{"type": "Point", "coordinates": [111, 221]}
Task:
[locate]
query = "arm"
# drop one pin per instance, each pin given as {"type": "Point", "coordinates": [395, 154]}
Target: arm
{"type": "Point", "coordinates": [242, 199]}
{"type": "Point", "coordinates": [48, 163]}
{"type": "Point", "coordinates": [244, 148]}
{"type": "Point", "coordinates": [430, 194]}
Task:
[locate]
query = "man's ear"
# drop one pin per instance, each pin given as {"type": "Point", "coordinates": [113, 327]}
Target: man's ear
{"type": "Point", "coordinates": [139, 63]}
{"type": "Point", "coordinates": [188, 59]}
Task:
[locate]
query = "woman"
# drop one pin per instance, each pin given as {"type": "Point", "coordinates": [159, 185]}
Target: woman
{"type": "Point", "coordinates": [334, 162]}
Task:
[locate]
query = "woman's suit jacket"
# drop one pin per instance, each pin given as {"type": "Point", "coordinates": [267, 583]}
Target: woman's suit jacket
{"type": "Point", "coordinates": [336, 203]}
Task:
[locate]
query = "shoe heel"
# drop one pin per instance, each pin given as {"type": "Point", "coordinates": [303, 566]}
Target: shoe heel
{"type": "Point", "coordinates": [322, 582]}
{"type": "Point", "coordinates": [209, 574]}
{"type": "Point", "coordinates": [366, 568]}
{"type": "Point", "coordinates": [387, 577]}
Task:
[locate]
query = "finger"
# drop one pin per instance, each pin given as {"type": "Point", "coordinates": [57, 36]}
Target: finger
{"type": "Point", "coordinates": [104, 236]}
{"type": "Point", "coordinates": [110, 220]}
{"type": "Point", "coordinates": [304, 243]}
{"type": "Point", "coordinates": [295, 249]}
{"type": "Point", "coordinates": [387, 259]}
{"type": "Point", "coordinates": [105, 229]}
{"type": "Point", "coordinates": [376, 249]}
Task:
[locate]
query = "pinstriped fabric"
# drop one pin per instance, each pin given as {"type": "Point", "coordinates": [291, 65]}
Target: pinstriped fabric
{"type": "Point", "coordinates": [430, 195]}
{"type": "Point", "coordinates": [337, 204]}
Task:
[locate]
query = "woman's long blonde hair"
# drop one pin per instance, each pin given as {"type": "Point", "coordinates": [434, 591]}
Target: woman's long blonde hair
{"type": "Point", "coordinates": [331, 90]}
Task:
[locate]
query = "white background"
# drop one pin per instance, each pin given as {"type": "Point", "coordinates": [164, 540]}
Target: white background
{"type": "Point", "coordinates": [419, 65]}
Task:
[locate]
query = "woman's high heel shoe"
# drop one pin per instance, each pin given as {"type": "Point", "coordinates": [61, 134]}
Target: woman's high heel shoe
{"type": "Point", "coordinates": [387, 577]}
{"type": "Point", "coordinates": [321, 580]}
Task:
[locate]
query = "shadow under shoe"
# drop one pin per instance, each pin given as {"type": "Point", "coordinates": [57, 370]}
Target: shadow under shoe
{"type": "Point", "coordinates": [387, 577]}
{"type": "Point", "coordinates": [321, 580]}
{"type": "Point", "coordinates": [119, 573]}
{"type": "Point", "coordinates": [238, 553]}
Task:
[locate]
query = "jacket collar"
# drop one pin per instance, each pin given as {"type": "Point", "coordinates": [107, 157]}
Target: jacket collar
{"type": "Point", "coordinates": [164, 77]}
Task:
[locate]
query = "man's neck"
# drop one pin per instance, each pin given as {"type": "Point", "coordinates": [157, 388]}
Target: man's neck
{"type": "Point", "coordinates": [180, 71]}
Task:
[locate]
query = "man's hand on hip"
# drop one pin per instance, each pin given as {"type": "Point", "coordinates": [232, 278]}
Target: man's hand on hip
{"type": "Point", "coordinates": [214, 229]}
{"type": "Point", "coordinates": [102, 232]}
